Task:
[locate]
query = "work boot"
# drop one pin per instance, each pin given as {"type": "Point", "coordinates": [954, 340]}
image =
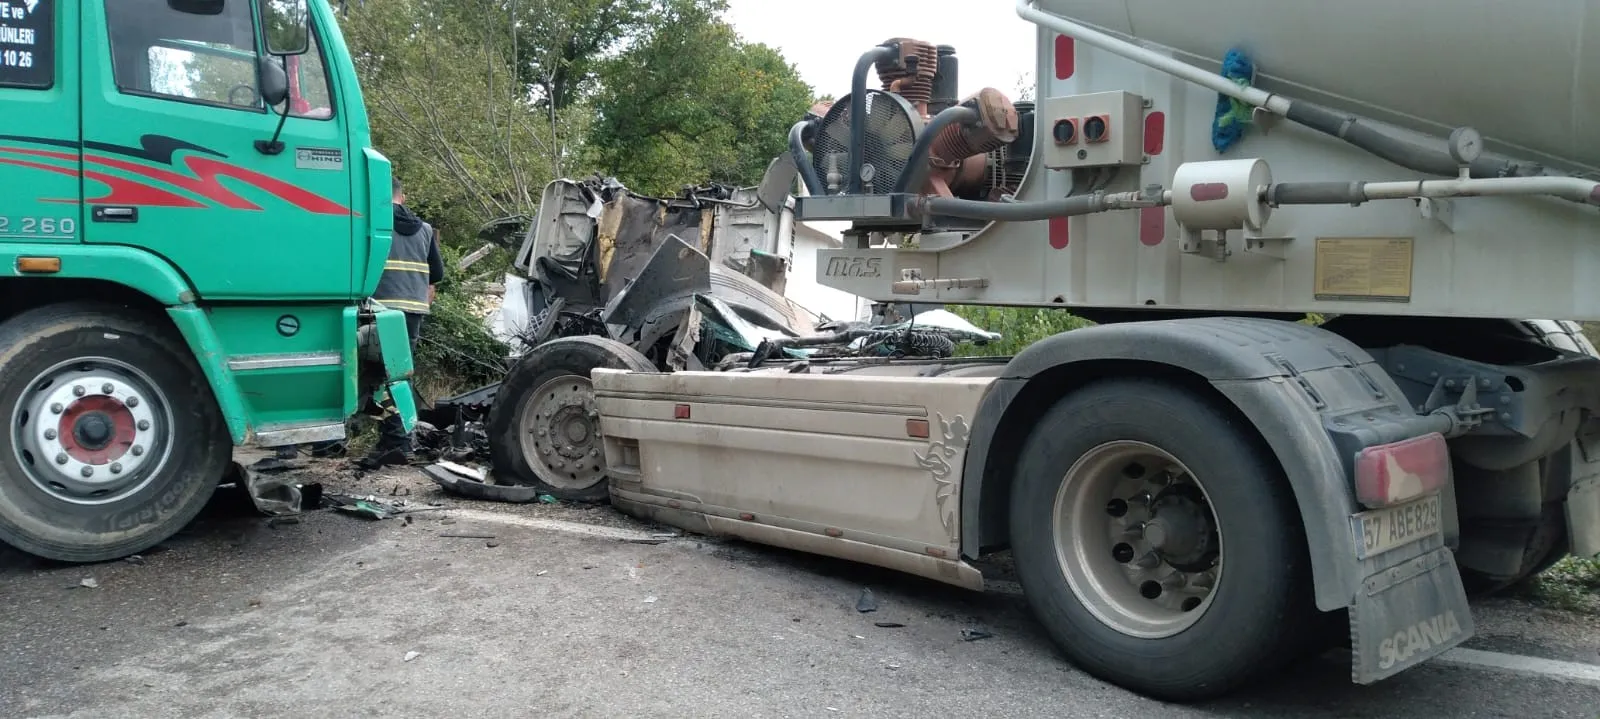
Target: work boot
{"type": "Point", "coordinates": [327, 450]}
{"type": "Point", "coordinates": [396, 457]}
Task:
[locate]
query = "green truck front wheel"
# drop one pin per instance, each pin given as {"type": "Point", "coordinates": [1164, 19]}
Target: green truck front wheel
{"type": "Point", "coordinates": [113, 440]}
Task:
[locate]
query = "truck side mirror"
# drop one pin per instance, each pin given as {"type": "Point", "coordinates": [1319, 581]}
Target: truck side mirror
{"type": "Point", "coordinates": [287, 26]}
{"type": "Point", "coordinates": [274, 81]}
{"type": "Point", "coordinates": [196, 7]}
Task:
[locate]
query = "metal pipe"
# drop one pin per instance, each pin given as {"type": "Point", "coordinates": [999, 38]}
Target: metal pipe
{"type": "Point", "coordinates": [1358, 131]}
{"type": "Point", "coordinates": [1073, 206]}
{"type": "Point", "coordinates": [1178, 68]}
{"type": "Point", "coordinates": [917, 165]}
{"type": "Point", "coordinates": [1572, 189]}
{"type": "Point", "coordinates": [858, 110]}
{"type": "Point", "coordinates": [802, 161]}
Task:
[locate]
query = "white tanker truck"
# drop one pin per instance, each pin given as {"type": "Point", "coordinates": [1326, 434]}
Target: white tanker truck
{"type": "Point", "coordinates": [1205, 484]}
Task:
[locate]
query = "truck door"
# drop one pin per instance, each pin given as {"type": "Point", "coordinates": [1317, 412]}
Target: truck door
{"type": "Point", "coordinates": [39, 161]}
{"type": "Point", "coordinates": [172, 112]}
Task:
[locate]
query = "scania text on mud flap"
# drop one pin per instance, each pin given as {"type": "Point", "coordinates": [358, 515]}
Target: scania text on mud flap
{"type": "Point", "coordinates": [194, 213]}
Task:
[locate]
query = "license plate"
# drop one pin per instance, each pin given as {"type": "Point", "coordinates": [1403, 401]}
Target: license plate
{"type": "Point", "coordinates": [1384, 530]}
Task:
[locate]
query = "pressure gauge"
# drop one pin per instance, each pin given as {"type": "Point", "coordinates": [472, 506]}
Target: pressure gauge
{"type": "Point", "coordinates": [1466, 144]}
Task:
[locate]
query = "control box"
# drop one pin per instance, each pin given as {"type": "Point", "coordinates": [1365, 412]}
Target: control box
{"type": "Point", "coordinates": [1103, 129]}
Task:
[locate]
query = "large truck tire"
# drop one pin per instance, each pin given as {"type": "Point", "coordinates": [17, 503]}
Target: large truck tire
{"type": "Point", "coordinates": [114, 441]}
{"type": "Point", "coordinates": [544, 427]}
{"type": "Point", "coordinates": [1158, 543]}
{"type": "Point", "coordinates": [1538, 538]}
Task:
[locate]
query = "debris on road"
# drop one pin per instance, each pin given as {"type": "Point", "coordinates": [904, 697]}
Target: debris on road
{"type": "Point", "coordinates": [972, 635]}
{"type": "Point", "coordinates": [888, 625]}
{"type": "Point", "coordinates": [273, 465]}
{"type": "Point", "coordinates": [867, 602]}
{"type": "Point", "coordinates": [371, 507]}
{"type": "Point", "coordinates": [272, 494]}
{"type": "Point", "coordinates": [491, 544]}
{"type": "Point", "coordinates": [135, 559]}
{"type": "Point", "coordinates": [412, 655]}
{"type": "Point", "coordinates": [473, 483]}
{"type": "Point", "coordinates": [650, 599]}
{"type": "Point", "coordinates": [88, 583]}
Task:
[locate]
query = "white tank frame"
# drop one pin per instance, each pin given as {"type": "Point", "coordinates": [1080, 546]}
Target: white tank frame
{"type": "Point", "coordinates": [1505, 257]}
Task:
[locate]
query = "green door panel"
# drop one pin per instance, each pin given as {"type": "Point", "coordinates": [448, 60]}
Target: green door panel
{"type": "Point", "coordinates": [39, 160]}
{"type": "Point", "coordinates": [171, 123]}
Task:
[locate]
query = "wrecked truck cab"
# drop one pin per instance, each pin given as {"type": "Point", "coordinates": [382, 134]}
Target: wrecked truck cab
{"type": "Point", "coordinates": [622, 280]}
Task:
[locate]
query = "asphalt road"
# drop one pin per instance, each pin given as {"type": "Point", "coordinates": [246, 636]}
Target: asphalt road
{"type": "Point", "coordinates": [236, 618]}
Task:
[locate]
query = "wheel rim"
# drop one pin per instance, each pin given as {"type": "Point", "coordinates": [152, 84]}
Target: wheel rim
{"type": "Point", "coordinates": [1137, 539]}
{"type": "Point", "coordinates": [91, 431]}
{"type": "Point", "coordinates": [559, 430]}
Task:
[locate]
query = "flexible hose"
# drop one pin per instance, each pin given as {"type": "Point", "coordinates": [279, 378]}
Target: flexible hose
{"type": "Point", "coordinates": [802, 161]}
{"type": "Point", "coordinates": [858, 111]}
{"type": "Point", "coordinates": [1030, 211]}
{"type": "Point", "coordinates": [917, 165]}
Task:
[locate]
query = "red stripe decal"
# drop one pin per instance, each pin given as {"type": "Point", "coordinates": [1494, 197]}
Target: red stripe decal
{"type": "Point", "coordinates": [1066, 58]}
{"type": "Point", "coordinates": [1208, 191]}
{"type": "Point", "coordinates": [1060, 233]}
{"type": "Point", "coordinates": [122, 192]}
{"type": "Point", "coordinates": [211, 191]}
{"type": "Point", "coordinates": [210, 169]}
{"type": "Point", "coordinates": [1155, 133]}
{"type": "Point", "coordinates": [1152, 226]}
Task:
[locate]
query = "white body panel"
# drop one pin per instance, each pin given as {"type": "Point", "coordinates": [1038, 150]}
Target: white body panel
{"type": "Point", "coordinates": [1521, 72]}
{"type": "Point", "coordinates": [1492, 257]}
{"type": "Point", "coordinates": [826, 464]}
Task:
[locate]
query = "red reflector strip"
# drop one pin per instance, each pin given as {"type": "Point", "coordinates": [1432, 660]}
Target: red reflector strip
{"type": "Point", "coordinates": [680, 411]}
{"type": "Point", "coordinates": [917, 428]}
{"type": "Point", "coordinates": [1390, 474]}
{"type": "Point", "coordinates": [1066, 57]}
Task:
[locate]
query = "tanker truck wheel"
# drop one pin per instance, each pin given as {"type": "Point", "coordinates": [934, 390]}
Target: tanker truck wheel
{"type": "Point", "coordinates": [1158, 543]}
{"type": "Point", "coordinates": [113, 442]}
{"type": "Point", "coordinates": [544, 427]}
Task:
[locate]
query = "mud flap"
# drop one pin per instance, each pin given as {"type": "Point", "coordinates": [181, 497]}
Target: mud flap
{"type": "Point", "coordinates": [1406, 615]}
{"type": "Point", "coordinates": [405, 403]}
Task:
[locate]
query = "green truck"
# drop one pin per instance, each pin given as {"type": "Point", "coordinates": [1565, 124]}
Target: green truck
{"type": "Point", "coordinates": [192, 221]}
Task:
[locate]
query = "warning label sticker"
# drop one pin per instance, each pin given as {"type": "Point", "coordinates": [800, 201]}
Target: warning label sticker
{"type": "Point", "coordinates": [1363, 269]}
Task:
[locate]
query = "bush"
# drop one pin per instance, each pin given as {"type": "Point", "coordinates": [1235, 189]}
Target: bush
{"type": "Point", "coordinates": [456, 351]}
{"type": "Point", "coordinates": [1018, 327]}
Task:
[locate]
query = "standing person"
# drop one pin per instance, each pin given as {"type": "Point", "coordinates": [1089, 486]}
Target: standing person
{"type": "Point", "coordinates": [409, 277]}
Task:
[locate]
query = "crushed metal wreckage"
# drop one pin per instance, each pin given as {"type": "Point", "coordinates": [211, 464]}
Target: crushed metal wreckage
{"type": "Point", "coordinates": [695, 282]}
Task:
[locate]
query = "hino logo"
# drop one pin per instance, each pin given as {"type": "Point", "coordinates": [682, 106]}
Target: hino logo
{"type": "Point", "coordinates": [1419, 637]}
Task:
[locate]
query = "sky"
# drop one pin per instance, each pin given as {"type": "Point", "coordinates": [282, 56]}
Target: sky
{"type": "Point", "coordinates": [824, 38]}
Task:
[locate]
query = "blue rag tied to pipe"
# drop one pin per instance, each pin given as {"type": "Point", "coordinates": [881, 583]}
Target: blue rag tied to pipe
{"type": "Point", "coordinates": [1233, 116]}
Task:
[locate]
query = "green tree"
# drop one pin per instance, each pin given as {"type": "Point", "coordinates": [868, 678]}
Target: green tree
{"type": "Point", "coordinates": [690, 102]}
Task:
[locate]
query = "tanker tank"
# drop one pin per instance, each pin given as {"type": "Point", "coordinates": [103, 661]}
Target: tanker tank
{"type": "Point", "coordinates": [1512, 69]}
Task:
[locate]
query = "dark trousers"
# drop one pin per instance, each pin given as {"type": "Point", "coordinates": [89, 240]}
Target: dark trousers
{"type": "Point", "coordinates": [391, 432]}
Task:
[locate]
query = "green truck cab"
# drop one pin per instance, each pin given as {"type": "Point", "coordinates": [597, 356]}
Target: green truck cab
{"type": "Point", "coordinates": [192, 220]}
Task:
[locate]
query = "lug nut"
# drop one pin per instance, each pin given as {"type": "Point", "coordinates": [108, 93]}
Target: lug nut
{"type": "Point", "coordinates": [87, 471]}
{"type": "Point", "coordinates": [133, 401]}
{"type": "Point", "coordinates": [56, 408]}
{"type": "Point", "coordinates": [107, 388]}
{"type": "Point", "coordinates": [79, 391]}
{"type": "Point", "coordinates": [61, 458]}
{"type": "Point", "coordinates": [137, 450]}
{"type": "Point", "coordinates": [144, 424]}
{"type": "Point", "coordinates": [116, 468]}
{"type": "Point", "coordinates": [49, 434]}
